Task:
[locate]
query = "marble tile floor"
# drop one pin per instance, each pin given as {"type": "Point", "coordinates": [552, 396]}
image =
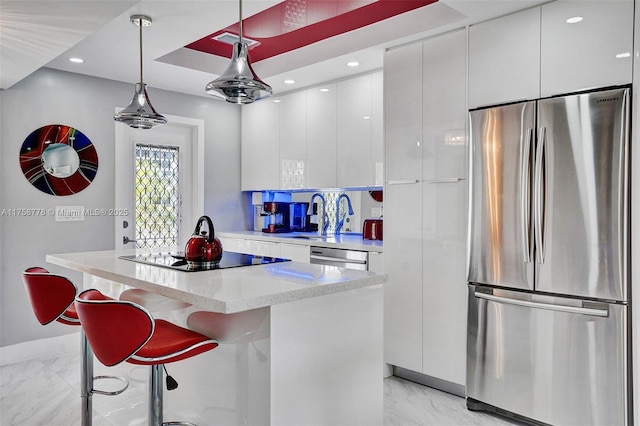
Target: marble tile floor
{"type": "Point", "coordinates": [45, 391]}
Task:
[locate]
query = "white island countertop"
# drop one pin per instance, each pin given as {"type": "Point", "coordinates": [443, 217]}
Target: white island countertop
{"type": "Point", "coordinates": [224, 290]}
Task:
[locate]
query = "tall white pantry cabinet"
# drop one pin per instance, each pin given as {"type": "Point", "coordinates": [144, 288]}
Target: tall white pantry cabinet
{"type": "Point", "coordinates": [426, 207]}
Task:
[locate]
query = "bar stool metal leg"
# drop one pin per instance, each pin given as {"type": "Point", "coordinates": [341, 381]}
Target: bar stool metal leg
{"type": "Point", "coordinates": [155, 395]}
{"type": "Point", "coordinates": [86, 380]}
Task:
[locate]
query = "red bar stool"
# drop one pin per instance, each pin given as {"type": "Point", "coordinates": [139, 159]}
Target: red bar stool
{"type": "Point", "coordinates": [51, 298]}
{"type": "Point", "coordinates": [125, 331]}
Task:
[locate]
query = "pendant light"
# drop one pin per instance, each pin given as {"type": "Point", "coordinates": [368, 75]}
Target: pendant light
{"type": "Point", "coordinates": [239, 84]}
{"type": "Point", "coordinates": [140, 114]}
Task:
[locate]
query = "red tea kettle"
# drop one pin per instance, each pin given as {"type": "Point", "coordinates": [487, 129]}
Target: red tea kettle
{"type": "Point", "coordinates": [203, 249]}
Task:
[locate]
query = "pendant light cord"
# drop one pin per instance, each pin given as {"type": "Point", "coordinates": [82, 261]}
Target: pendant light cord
{"type": "Point", "coordinates": [240, 13]}
{"type": "Point", "coordinates": [140, 25]}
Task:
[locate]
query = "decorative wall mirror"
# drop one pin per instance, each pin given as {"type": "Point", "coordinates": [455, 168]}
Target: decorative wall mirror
{"type": "Point", "coordinates": [58, 159]}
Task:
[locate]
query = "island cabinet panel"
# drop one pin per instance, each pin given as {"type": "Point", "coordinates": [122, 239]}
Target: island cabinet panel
{"type": "Point", "coordinates": [426, 210]}
{"type": "Point", "coordinates": [504, 59]}
{"type": "Point", "coordinates": [321, 137]}
{"type": "Point", "coordinates": [593, 52]}
{"type": "Point", "coordinates": [293, 141]}
{"type": "Point", "coordinates": [260, 151]}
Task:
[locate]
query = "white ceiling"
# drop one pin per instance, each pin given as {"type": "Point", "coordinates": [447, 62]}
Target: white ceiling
{"type": "Point", "coordinates": [46, 33]}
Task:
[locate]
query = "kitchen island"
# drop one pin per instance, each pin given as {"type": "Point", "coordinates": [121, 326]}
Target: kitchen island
{"type": "Point", "coordinates": [299, 343]}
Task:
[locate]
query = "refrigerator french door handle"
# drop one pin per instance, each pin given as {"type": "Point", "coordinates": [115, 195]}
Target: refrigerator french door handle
{"type": "Point", "coordinates": [546, 306]}
{"type": "Point", "coordinates": [539, 195]}
{"type": "Point", "coordinates": [525, 197]}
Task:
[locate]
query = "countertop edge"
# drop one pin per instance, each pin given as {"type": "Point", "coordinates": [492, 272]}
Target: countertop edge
{"type": "Point", "coordinates": [215, 305]}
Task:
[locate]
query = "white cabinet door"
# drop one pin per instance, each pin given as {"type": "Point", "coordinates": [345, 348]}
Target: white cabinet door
{"type": "Point", "coordinates": [321, 137]}
{"type": "Point", "coordinates": [403, 325]}
{"type": "Point", "coordinates": [237, 245]}
{"type": "Point", "coordinates": [295, 252]}
{"type": "Point", "coordinates": [403, 113]}
{"type": "Point", "coordinates": [594, 52]}
{"type": "Point", "coordinates": [353, 157]}
{"type": "Point", "coordinates": [504, 59]}
{"type": "Point", "coordinates": [377, 129]}
{"type": "Point", "coordinates": [444, 280]}
{"type": "Point", "coordinates": [293, 141]}
{"type": "Point", "coordinates": [444, 151]}
{"type": "Point", "coordinates": [260, 146]}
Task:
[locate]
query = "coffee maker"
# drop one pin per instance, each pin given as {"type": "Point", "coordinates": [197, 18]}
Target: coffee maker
{"type": "Point", "coordinates": [299, 217]}
{"type": "Point", "coordinates": [278, 216]}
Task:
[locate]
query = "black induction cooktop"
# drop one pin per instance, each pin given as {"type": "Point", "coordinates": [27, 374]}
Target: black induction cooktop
{"type": "Point", "coordinates": [176, 260]}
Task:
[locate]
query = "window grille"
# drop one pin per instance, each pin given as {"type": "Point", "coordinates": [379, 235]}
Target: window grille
{"type": "Point", "coordinates": [157, 196]}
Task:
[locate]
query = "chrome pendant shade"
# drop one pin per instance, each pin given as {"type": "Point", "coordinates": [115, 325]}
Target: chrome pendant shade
{"type": "Point", "coordinates": [239, 84]}
{"type": "Point", "coordinates": [140, 114]}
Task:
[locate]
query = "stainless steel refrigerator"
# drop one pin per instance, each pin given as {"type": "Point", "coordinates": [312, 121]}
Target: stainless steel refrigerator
{"type": "Point", "coordinates": [548, 274]}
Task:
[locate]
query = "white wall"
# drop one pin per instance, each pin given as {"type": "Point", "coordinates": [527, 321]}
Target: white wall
{"type": "Point", "coordinates": [87, 104]}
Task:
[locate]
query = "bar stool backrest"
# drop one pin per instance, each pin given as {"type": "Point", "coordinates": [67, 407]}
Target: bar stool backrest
{"type": "Point", "coordinates": [115, 329]}
{"type": "Point", "coordinates": [50, 295]}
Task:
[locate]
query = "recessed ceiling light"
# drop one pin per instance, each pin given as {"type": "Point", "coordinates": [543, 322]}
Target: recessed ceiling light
{"type": "Point", "coordinates": [353, 64]}
{"type": "Point", "coordinates": [324, 90]}
{"type": "Point", "coordinates": [366, 117]}
{"type": "Point", "coordinates": [289, 81]}
{"type": "Point", "coordinates": [574, 20]}
{"type": "Point", "coordinates": [623, 55]}
{"type": "Point", "coordinates": [76, 60]}
{"type": "Point", "coordinates": [277, 100]}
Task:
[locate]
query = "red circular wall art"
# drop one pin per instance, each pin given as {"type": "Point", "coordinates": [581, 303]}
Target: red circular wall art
{"type": "Point", "coordinates": [58, 160]}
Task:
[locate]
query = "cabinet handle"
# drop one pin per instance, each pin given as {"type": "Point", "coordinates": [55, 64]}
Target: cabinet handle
{"type": "Point", "coordinates": [444, 180]}
{"type": "Point", "coordinates": [403, 182]}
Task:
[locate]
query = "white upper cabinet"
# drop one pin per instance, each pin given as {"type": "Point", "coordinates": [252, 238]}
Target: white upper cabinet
{"type": "Point", "coordinates": [444, 105]}
{"type": "Point", "coordinates": [354, 115]}
{"type": "Point", "coordinates": [293, 141]}
{"type": "Point", "coordinates": [321, 137]}
{"type": "Point", "coordinates": [596, 51]}
{"type": "Point", "coordinates": [260, 146]}
{"type": "Point", "coordinates": [560, 47]}
{"type": "Point", "coordinates": [403, 113]}
{"type": "Point", "coordinates": [504, 59]}
{"type": "Point", "coordinates": [377, 129]}
{"type": "Point", "coordinates": [324, 137]}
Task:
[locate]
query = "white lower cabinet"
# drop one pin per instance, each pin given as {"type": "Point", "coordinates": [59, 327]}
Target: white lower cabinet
{"type": "Point", "coordinates": [403, 293]}
{"type": "Point", "coordinates": [295, 252]}
{"type": "Point", "coordinates": [444, 224]}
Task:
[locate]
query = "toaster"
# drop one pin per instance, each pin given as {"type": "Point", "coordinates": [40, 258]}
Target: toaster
{"type": "Point", "coordinates": [372, 229]}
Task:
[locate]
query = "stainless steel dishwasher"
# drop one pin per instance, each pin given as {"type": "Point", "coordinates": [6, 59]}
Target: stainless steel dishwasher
{"type": "Point", "coordinates": [350, 259]}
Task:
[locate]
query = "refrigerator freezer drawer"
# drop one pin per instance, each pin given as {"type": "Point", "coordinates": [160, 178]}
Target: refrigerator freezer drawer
{"type": "Point", "coordinates": [555, 360]}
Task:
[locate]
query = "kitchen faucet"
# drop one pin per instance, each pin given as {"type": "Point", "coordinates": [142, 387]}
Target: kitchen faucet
{"type": "Point", "coordinates": [340, 219]}
{"type": "Point", "coordinates": [325, 216]}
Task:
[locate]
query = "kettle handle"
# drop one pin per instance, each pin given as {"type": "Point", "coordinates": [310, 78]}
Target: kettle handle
{"type": "Point", "coordinates": [212, 232]}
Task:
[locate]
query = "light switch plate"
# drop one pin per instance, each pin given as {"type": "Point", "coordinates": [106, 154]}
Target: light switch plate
{"type": "Point", "coordinates": [69, 213]}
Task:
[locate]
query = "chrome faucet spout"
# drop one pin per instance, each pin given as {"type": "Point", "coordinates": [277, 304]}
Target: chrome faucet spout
{"type": "Point", "coordinates": [340, 218]}
{"type": "Point", "coordinates": [325, 216]}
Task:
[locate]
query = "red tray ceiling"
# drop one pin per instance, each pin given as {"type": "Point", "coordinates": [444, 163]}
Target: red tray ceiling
{"type": "Point", "coordinates": [293, 24]}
